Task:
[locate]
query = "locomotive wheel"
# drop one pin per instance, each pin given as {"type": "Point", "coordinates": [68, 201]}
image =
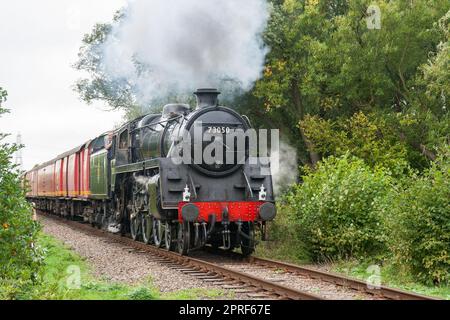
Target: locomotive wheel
{"type": "Point", "coordinates": [248, 241]}
{"type": "Point", "coordinates": [98, 220]}
{"type": "Point", "coordinates": [147, 229]}
{"type": "Point", "coordinates": [91, 221]}
{"type": "Point", "coordinates": [158, 233]}
{"type": "Point", "coordinates": [135, 226]}
{"type": "Point", "coordinates": [184, 236]}
{"type": "Point", "coordinates": [215, 244]}
{"type": "Point", "coordinates": [105, 221]}
{"type": "Point", "coordinates": [169, 232]}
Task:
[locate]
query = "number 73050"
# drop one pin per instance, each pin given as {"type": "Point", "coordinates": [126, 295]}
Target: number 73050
{"type": "Point", "coordinates": [219, 130]}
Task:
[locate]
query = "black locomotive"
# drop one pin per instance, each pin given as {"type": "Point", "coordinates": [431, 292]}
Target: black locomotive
{"type": "Point", "coordinates": [181, 179]}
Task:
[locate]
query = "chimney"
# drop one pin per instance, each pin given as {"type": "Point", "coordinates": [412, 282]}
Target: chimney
{"type": "Point", "coordinates": [207, 98]}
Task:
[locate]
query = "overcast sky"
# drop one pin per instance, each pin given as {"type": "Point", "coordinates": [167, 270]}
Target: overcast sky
{"type": "Point", "coordinates": [39, 42]}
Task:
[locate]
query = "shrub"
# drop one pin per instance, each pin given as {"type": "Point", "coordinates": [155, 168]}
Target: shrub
{"type": "Point", "coordinates": [282, 240]}
{"type": "Point", "coordinates": [143, 293]}
{"type": "Point", "coordinates": [336, 209]}
{"type": "Point", "coordinates": [20, 258]}
{"type": "Point", "coordinates": [420, 224]}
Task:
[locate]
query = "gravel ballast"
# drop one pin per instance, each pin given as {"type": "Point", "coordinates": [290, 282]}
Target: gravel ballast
{"type": "Point", "coordinates": [117, 263]}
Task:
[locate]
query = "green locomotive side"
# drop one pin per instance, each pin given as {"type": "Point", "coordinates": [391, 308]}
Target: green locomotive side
{"type": "Point", "coordinates": [99, 175]}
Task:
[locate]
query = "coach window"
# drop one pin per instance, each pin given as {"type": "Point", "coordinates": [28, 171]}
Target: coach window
{"type": "Point", "coordinates": [123, 140]}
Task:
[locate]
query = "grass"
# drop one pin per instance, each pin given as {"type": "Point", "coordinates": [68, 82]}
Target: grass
{"type": "Point", "coordinates": [284, 251]}
{"type": "Point", "coordinates": [283, 244]}
{"type": "Point", "coordinates": [67, 276]}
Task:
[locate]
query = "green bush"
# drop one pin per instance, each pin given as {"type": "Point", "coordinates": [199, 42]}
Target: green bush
{"type": "Point", "coordinates": [336, 209]}
{"type": "Point", "coordinates": [420, 223]}
{"type": "Point", "coordinates": [282, 242]}
{"type": "Point", "coordinates": [20, 258]}
{"type": "Point", "coordinates": [143, 293]}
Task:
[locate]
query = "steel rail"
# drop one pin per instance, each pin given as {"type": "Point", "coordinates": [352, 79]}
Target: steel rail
{"type": "Point", "coordinates": [331, 277]}
{"type": "Point", "coordinates": [342, 280]}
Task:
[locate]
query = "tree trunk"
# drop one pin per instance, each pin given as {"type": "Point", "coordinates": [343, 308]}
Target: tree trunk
{"type": "Point", "coordinates": [296, 98]}
{"type": "Point", "coordinates": [419, 147]}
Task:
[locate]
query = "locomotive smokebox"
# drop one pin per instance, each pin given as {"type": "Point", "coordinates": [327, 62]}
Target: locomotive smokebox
{"type": "Point", "coordinates": [207, 98]}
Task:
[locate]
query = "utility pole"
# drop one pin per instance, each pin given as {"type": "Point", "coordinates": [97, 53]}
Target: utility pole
{"type": "Point", "coordinates": [18, 156]}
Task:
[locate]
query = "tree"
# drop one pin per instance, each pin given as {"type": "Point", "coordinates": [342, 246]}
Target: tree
{"type": "Point", "coordinates": [20, 257]}
{"type": "Point", "coordinates": [324, 60]}
{"type": "Point", "coordinates": [426, 120]}
{"type": "Point", "coordinates": [117, 93]}
{"type": "Point", "coordinates": [294, 31]}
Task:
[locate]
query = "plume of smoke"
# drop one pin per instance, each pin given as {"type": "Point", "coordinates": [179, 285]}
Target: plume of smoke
{"type": "Point", "coordinates": [172, 47]}
{"type": "Point", "coordinates": [284, 167]}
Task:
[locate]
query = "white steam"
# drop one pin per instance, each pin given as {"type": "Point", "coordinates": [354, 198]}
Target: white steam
{"type": "Point", "coordinates": [143, 181]}
{"type": "Point", "coordinates": [167, 47]}
{"type": "Point", "coordinates": [284, 167]}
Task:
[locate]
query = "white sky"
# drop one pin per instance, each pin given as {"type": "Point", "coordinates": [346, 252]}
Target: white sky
{"type": "Point", "coordinates": [39, 42]}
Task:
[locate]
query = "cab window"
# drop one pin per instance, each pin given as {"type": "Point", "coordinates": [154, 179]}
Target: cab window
{"type": "Point", "coordinates": [98, 144]}
{"type": "Point", "coordinates": [123, 140]}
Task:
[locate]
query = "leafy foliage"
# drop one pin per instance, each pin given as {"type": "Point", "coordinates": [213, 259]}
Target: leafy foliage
{"type": "Point", "coordinates": [20, 258]}
{"type": "Point", "coordinates": [336, 209]}
{"type": "Point", "coordinates": [325, 62]}
{"type": "Point", "coordinates": [434, 78]}
{"type": "Point", "coordinates": [425, 124]}
{"type": "Point", "coordinates": [340, 89]}
{"type": "Point", "coordinates": [420, 223]}
{"type": "Point", "coordinates": [368, 138]}
{"type": "Point", "coordinates": [117, 93]}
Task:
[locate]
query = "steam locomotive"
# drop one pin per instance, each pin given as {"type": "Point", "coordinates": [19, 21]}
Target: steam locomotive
{"type": "Point", "coordinates": [149, 178]}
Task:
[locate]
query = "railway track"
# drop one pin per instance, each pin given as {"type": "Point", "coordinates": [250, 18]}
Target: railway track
{"type": "Point", "coordinates": [382, 292]}
{"type": "Point", "coordinates": [237, 275]}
